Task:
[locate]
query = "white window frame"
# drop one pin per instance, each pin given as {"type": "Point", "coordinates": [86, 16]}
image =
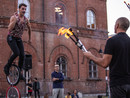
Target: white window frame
{"type": "Point", "coordinates": [90, 19]}
{"type": "Point", "coordinates": [92, 71]}
{"type": "Point", "coordinates": [59, 10]}
{"type": "Point", "coordinates": [61, 65]}
{"type": "Point", "coordinates": [27, 2]}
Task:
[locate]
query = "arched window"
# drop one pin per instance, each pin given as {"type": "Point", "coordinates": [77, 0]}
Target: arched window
{"type": "Point", "coordinates": [91, 21]}
{"type": "Point", "coordinates": [62, 62]}
{"type": "Point", "coordinates": [93, 73]}
{"type": "Point", "coordinates": [27, 14]}
{"type": "Point", "coordinates": [59, 14]}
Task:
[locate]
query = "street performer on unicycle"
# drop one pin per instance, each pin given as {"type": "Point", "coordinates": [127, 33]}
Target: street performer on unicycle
{"type": "Point", "coordinates": [18, 23]}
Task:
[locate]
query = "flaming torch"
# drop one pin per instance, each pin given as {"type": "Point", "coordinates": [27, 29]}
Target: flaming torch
{"type": "Point", "coordinates": [68, 34]}
{"type": "Point", "coordinates": [127, 4]}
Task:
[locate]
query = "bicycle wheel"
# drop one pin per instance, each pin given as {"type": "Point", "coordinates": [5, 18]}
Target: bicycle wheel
{"type": "Point", "coordinates": [14, 75]}
{"type": "Point", "coordinates": [12, 92]}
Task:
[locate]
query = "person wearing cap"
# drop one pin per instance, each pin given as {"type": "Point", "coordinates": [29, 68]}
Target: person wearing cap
{"type": "Point", "coordinates": [57, 78]}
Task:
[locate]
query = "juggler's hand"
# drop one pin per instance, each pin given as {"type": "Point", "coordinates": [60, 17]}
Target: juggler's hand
{"type": "Point", "coordinates": [88, 54]}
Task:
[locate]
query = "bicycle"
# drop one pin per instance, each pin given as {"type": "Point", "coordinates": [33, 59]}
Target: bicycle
{"type": "Point", "coordinates": [13, 92]}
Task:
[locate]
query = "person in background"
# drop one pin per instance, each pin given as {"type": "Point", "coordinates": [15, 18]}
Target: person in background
{"type": "Point", "coordinates": [75, 94]}
{"type": "Point", "coordinates": [68, 95]}
{"type": "Point", "coordinates": [29, 88]}
{"type": "Point", "coordinates": [36, 88]}
{"type": "Point", "coordinates": [57, 78]}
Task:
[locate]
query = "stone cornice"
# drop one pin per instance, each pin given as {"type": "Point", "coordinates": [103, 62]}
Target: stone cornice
{"type": "Point", "coordinates": [53, 28]}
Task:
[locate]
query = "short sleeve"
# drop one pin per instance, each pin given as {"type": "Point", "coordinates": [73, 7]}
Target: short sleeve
{"type": "Point", "coordinates": [109, 47]}
{"type": "Point", "coordinates": [52, 75]}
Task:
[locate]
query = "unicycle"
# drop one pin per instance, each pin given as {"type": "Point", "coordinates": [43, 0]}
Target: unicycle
{"type": "Point", "coordinates": [14, 75]}
{"type": "Point", "coordinates": [12, 92]}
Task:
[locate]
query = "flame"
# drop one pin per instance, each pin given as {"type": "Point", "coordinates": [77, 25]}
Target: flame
{"type": "Point", "coordinates": [65, 31]}
{"type": "Point", "coordinates": [62, 31]}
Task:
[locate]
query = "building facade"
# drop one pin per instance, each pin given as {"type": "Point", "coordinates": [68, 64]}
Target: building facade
{"type": "Point", "coordinates": [87, 18]}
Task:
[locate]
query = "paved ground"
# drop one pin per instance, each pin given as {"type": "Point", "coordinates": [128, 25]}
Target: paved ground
{"type": "Point", "coordinates": [80, 97]}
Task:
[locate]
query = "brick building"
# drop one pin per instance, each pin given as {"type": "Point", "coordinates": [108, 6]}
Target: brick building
{"type": "Point", "coordinates": [87, 18]}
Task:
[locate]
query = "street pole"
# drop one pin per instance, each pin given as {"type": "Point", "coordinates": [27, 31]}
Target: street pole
{"type": "Point", "coordinates": [106, 83]}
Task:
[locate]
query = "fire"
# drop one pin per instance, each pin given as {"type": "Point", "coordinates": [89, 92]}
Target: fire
{"type": "Point", "coordinates": [62, 31]}
{"type": "Point", "coordinates": [65, 31]}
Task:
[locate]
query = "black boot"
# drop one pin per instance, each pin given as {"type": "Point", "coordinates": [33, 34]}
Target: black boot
{"type": "Point", "coordinates": [6, 69]}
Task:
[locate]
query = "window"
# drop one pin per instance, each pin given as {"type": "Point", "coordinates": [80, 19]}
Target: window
{"type": "Point", "coordinates": [59, 14]}
{"type": "Point", "coordinates": [92, 70]}
{"type": "Point", "coordinates": [62, 62]}
{"type": "Point", "coordinates": [27, 14]}
{"type": "Point", "coordinates": [91, 21]}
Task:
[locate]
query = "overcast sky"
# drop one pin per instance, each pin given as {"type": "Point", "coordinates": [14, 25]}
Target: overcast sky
{"type": "Point", "coordinates": [116, 9]}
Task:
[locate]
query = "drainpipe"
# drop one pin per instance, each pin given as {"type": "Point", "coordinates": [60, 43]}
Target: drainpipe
{"type": "Point", "coordinates": [44, 55]}
{"type": "Point", "coordinates": [76, 4]}
{"type": "Point", "coordinates": [43, 10]}
{"type": "Point", "coordinates": [44, 76]}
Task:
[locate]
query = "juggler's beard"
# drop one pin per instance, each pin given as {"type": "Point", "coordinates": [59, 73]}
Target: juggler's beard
{"type": "Point", "coordinates": [22, 13]}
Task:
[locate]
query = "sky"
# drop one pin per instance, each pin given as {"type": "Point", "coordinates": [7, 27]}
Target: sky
{"type": "Point", "coordinates": [116, 9]}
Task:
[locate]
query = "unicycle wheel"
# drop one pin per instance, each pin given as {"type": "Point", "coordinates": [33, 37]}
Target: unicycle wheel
{"type": "Point", "coordinates": [12, 92]}
{"type": "Point", "coordinates": [14, 75]}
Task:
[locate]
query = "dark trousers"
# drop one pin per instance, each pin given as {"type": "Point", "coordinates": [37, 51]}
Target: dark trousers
{"type": "Point", "coordinates": [120, 91]}
{"type": "Point", "coordinates": [36, 92]}
{"type": "Point", "coordinates": [17, 47]}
